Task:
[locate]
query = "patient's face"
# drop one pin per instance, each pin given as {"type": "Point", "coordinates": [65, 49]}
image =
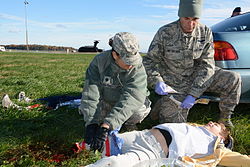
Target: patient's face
{"type": "Point", "coordinates": [214, 128]}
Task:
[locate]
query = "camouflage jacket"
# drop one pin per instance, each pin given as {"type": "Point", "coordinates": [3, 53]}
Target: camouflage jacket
{"type": "Point", "coordinates": [125, 90]}
{"type": "Point", "coordinates": [183, 61]}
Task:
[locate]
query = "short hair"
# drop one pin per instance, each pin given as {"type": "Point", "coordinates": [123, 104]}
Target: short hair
{"type": "Point", "coordinates": [225, 132]}
{"type": "Point", "coordinates": [237, 9]}
{"type": "Point", "coordinates": [228, 139]}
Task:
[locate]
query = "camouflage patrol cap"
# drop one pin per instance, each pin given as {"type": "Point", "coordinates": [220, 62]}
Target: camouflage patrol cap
{"type": "Point", "coordinates": [126, 45]}
{"type": "Point", "coordinates": [190, 8]}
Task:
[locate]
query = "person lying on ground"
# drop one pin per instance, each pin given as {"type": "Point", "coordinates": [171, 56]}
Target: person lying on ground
{"type": "Point", "coordinates": [50, 103]}
{"type": "Point", "coordinates": [199, 145]}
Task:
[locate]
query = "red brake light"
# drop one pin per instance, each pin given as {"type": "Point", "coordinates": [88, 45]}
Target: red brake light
{"type": "Point", "coordinates": [224, 51]}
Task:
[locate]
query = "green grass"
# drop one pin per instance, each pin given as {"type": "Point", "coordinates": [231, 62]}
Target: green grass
{"type": "Point", "coordinates": [38, 137]}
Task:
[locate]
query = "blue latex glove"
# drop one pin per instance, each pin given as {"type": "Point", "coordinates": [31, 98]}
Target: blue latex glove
{"type": "Point", "coordinates": [188, 102]}
{"type": "Point", "coordinates": [160, 88]}
{"type": "Point", "coordinates": [116, 142]}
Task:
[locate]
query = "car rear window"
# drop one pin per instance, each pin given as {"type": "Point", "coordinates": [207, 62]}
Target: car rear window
{"type": "Point", "coordinates": [236, 23]}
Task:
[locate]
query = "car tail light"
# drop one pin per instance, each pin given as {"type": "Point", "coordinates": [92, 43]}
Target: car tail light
{"type": "Point", "coordinates": [224, 51]}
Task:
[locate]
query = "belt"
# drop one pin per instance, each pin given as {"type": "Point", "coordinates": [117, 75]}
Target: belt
{"type": "Point", "coordinates": [161, 140]}
{"type": "Point", "coordinates": [166, 135]}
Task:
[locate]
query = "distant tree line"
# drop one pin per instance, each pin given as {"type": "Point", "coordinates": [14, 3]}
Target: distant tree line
{"type": "Point", "coordinates": [39, 47]}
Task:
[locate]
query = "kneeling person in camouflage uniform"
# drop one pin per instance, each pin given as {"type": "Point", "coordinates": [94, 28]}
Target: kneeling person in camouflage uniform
{"type": "Point", "coordinates": [181, 56]}
{"type": "Point", "coordinates": [115, 90]}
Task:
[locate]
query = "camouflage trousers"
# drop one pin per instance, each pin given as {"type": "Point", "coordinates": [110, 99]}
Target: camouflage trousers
{"type": "Point", "coordinates": [225, 83]}
{"type": "Point", "coordinates": [137, 117]}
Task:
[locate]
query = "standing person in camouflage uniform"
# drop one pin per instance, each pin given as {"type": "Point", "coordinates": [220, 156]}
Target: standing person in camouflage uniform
{"type": "Point", "coordinates": [181, 56]}
{"type": "Point", "coordinates": [115, 90]}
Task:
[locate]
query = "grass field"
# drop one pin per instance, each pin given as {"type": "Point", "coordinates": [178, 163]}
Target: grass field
{"type": "Point", "coordinates": [42, 137]}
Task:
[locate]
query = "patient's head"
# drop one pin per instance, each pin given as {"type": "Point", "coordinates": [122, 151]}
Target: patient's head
{"type": "Point", "coordinates": [218, 129]}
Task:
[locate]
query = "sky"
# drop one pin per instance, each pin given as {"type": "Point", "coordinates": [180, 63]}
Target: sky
{"type": "Point", "coordinates": [76, 23]}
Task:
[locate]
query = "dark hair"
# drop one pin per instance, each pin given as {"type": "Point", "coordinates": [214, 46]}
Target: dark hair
{"type": "Point", "coordinates": [110, 42]}
{"type": "Point", "coordinates": [237, 9]}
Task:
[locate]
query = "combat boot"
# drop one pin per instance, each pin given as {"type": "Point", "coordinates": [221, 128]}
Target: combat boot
{"type": "Point", "coordinates": [225, 118]}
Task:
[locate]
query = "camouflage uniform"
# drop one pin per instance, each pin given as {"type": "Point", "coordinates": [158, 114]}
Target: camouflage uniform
{"type": "Point", "coordinates": [114, 95]}
{"type": "Point", "coordinates": [186, 63]}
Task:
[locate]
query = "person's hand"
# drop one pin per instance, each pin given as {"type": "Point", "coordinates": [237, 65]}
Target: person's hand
{"type": "Point", "coordinates": [160, 88]}
{"type": "Point", "coordinates": [99, 140]}
{"type": "Point", "coordinates": [188, 102]}
{"type": "Point", "coordinates": [90, 133]}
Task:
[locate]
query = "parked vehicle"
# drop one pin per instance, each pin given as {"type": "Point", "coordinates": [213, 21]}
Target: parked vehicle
{"type": "Point", "coordinates": [232, 48]}
{"type": "Point", "coordinates": [2, 49]}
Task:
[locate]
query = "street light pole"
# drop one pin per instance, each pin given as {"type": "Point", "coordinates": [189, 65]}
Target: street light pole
{"type": "Point", "coordinates": [26, 26]}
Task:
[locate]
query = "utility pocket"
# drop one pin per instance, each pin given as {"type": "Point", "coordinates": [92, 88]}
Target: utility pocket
{"type": "Point", "coordinates": [173, 58]}
{"type": "Point", "coordinates": [198, 48]}
{"type": "Point", "coordinates": [173, 54]}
